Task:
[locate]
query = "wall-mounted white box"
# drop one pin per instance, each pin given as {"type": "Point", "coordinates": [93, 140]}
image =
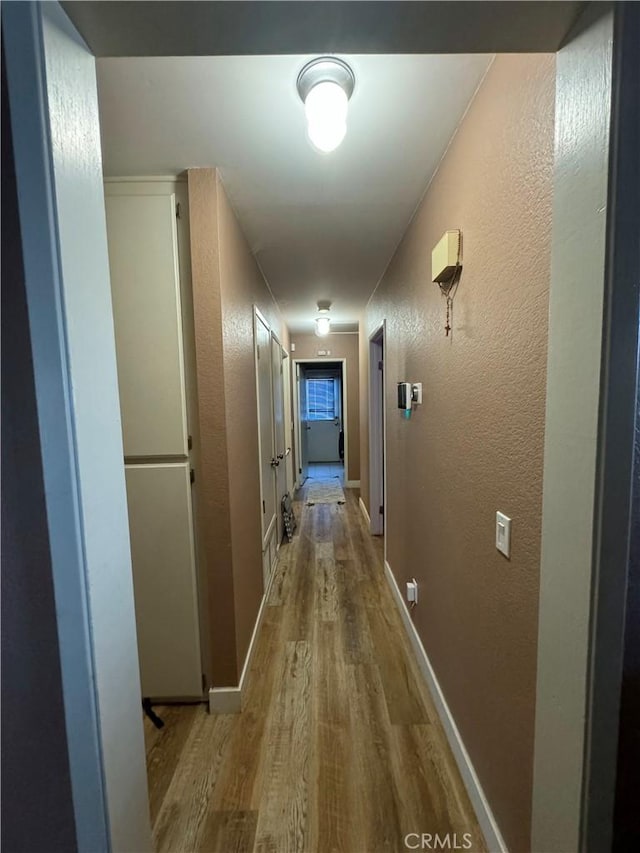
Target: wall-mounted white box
{"type": "Point", "coordinates": [445, 258]}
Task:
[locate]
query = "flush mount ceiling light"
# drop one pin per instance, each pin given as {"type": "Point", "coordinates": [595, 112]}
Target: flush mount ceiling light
{"type": "Point", "coordinates": [325, 85]}
{"type": "Point", "coordinates": [323, 323]}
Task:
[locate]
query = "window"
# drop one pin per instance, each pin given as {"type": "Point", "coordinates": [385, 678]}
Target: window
{"type": "Point", "coordinates": [322, 399]}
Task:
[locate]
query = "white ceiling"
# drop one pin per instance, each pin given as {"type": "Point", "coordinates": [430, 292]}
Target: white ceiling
{"type": "Point", "coordinates": [320, 226]}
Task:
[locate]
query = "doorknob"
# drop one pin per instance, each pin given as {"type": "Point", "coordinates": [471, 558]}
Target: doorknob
{"type": "Point", "coordinates": [274, 463]}
{"type": "Point", "coordinates": [280, 455]}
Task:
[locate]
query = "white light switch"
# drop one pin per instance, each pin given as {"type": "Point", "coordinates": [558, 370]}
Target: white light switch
{"type": "Point", "coordinates": [503, 533]}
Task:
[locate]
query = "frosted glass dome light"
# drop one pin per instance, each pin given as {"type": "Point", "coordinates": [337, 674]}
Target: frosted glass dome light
{"type": "Point", "coordinates": [326, 110]}
{"type": "Point", "coordinates": [325, 86]}
{"type": "Point", "coordinates": [323, 326]}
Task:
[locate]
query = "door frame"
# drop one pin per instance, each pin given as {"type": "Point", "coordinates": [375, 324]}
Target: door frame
{"type": "Point", "coordinates": [296, 413]}
{"type": "Point", "coordinates": [377, 437]}
{"type": "Point", "coordinates": [616, 448]}
{"type": "Point", "coordinates": [73, 519]}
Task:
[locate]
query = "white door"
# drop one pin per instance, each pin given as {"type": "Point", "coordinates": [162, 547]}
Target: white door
{"type": "Point", "coordinates": [324, 413]}
{"type": "Point", "coordinates": [303, 458]}
{"type": "Point", "coordinates": [279, 432]}
{"type": "Point", "coordinates": [143, 257]}
{"type": "Point", "coordinates": [324, 441]}
{"type": "Point", "coordinates": [288, 425]}
{"type": "Point", "coordinates": [266, 430]}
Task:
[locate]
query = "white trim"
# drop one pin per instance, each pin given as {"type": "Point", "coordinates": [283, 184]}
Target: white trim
{"type": "Point", "coordinates": [178, 178]}
{"type": "Point", "coordinates": [261, 316]}
{"type": "Point", "coordinates": [364, 511]}
{"type": "Point", "coordinates": [228, 700]}
{"type": "Point", "coordinates": [225, 700]}
{"type": "Point", "coordinates": [488, 824]}
{"type": "Point", "coordinates": [352, 484]}
{"type": "Point", "coordinates": [345, 416]}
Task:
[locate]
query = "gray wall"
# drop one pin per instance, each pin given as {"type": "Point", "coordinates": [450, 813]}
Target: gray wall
{"type": "Point", "coordinates": [37, 812]}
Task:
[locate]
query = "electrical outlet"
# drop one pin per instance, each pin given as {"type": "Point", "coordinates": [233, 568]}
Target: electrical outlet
{"type": "Point", "coordinates": [503, 533]}
{"type": "Point", "coordinates": [412, 592]}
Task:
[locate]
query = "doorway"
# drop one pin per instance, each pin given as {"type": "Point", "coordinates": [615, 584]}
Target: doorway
{"type": "Point", "coordinates": [377, 458]}
{"type": "Point", "coordinates": [95, 470]}
{"type": "Point", "coordinates": [320, 415]}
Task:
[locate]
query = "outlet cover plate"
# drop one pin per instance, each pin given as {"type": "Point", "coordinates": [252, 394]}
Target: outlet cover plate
{"type": "Point", "coordinates": [503, 533]}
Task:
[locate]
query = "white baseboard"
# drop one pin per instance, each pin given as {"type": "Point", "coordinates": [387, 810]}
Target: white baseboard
{"type": "Point", "coordinates": [228, 700]}
{"type": "Point", "coordinates": [365, 513]}
{"type": "Point", "coordinates": [488, 824]}
{"type": "Point", "coordinates": [352, 484]}
{"type": "Point", "coordinates": [225, 700]}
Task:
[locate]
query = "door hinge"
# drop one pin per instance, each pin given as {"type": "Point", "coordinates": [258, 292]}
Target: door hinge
{"type": "Point", "coordinates": [178, 216]}
{"type": "Point", "coordinates": [381, 365]}
{"type": "Point", "coordinates": [192, 475]}
{"type": "Point", "coordinates": [204, 683]}
{"type": "Point", "coordinates": [381, 510]}
{"type": "Point", "coordinates": [264, 508]}
{"type": "Point", "coordinates": [189, 442]}
{"type": "Point", "coordinates": [258, 350]}
{"type": "Point", "coordinates": [299, 470]}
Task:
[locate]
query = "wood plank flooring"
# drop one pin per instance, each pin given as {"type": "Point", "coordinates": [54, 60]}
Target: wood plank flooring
{"type": "Point", "coordinates": [338, 748]}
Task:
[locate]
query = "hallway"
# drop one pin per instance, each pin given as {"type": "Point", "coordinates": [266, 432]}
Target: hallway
{"type": "Point", "coordinates": [326, 471]}
{"type": "Point", "coordinates": [338, 747]}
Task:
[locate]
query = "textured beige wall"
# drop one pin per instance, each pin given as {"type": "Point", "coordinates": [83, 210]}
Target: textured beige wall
{"type": "Point", "coordinates": [340, 346]}
{"type": "Point", "coordinates": [212, 478]}
{"type": "Point", "coordinates": [226, 285]}
{"type": "Point", "coordinates": [242, 287]}
{"type": "Point", "coordinates": [476, 445]}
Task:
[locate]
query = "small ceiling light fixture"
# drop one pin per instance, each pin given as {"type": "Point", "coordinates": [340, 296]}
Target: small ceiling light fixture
{"type": "Point", "coordinates": [323, 323]}
{"type": "Point", "coordinates": [325, 85]}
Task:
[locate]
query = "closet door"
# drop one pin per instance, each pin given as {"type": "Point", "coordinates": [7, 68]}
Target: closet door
{"type": "Point", "coordinates": [277, 358]}
{"type": "Point", "coordinates": [268, 458]}
{"type": "Point", "coordinates": [148, 322]}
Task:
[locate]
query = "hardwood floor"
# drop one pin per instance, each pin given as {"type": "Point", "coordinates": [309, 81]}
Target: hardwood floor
{"type": "Point", "coordinates": [338, 747]}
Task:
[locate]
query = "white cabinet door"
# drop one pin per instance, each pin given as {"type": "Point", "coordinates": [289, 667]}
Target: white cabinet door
{"type": "Point", "coordinates": [143, 257]}
{"type": "Point", "coordinates": [148, 323]}
{"type": "Point", "coordinates": [164, 581]}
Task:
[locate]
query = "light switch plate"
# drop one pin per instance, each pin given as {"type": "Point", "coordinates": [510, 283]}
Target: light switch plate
{"type": "Point", "coordinates": [503, 533]}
